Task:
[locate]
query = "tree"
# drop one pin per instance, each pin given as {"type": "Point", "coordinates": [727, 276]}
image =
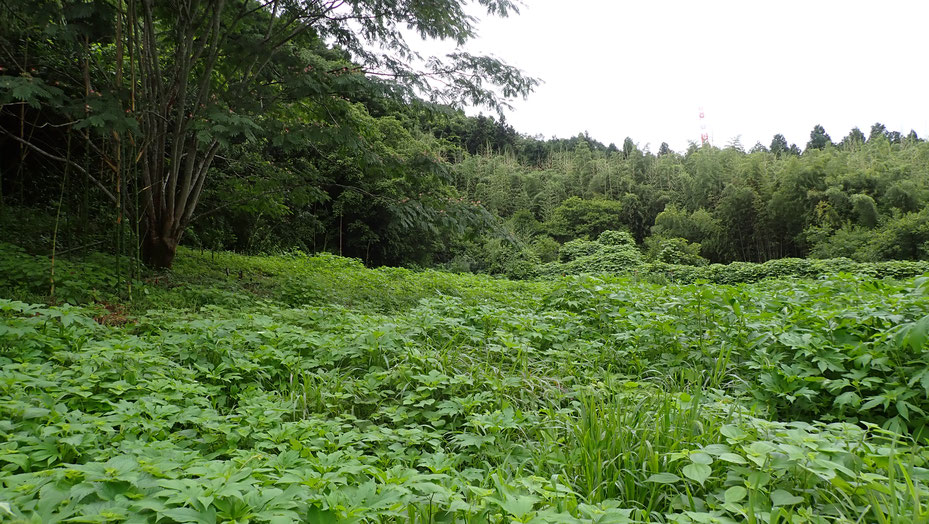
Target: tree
{"type": "Point", "coordinates": [674, 223]}
{"type": "Point", "coordinates": [629, 147]}
{"type": "Point", "coordinates": [865, 210]}
{"type": "Point", "coordinates": [878, 131]}
{"type": "Point", "coordinates": [736, 144]}
{"type": "Point", "coordinates": [779, 145]}
{"type": "Point", "coordinates": [758, 148]}
{"type": "Point", "coordinates": [676, 251]}
{"type": "Point", "coordinates": [818, 138]}
{"type": "Point", "coordinates": [854, 140]}
{"type": "Point", "coordinates": [737, 214]}
{"type": "Point", "coordinates": [577, 218]}
{"type": "Point", "coordinates": [196, 76]}
{"type": "Point", "coordinates": [904, 195]}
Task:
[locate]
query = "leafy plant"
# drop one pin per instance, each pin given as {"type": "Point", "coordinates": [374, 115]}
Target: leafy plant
{"type": "Point", "coordinates": [312, 389]}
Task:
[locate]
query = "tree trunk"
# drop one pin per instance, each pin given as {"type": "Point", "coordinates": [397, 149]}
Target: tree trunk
{"type": "Point", "coordinates": [158, 251]}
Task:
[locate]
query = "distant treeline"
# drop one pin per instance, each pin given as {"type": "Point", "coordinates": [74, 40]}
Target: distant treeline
{"type": "Point", "coordinates": [863, 197]}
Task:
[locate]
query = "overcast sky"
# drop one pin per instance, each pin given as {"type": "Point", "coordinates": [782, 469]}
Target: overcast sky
{"type": "Point", "coordinates": [643, 68]}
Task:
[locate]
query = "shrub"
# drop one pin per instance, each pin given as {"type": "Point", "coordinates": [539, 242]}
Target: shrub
{"type": "Point", "coordinates": [578, 248]}
{"type": "Point", "coordinates": [608, 259]}
{"type": "Point", "coordinates": [616, 238]}
{"type": "Point", "coordinates": [680, 251]}
{"type": "Point", "coordinates": [546, 248]}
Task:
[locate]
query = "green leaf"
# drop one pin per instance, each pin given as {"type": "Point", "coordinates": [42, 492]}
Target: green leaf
{"type": "Point", "coordinates": [701, 458]}
{"type": "Point", "coordinates": [19, 459]}
{"type": "Point", "coordinates": [33, 412]}
{"type": "Point", "coordinates": [849, 398]}
{"type": "Point", "coordinates": [782, 497]}
{"type": "Point", "coordinates": [697, 472]}
{"type": "Point", "coordinates": [918, 333]}
{"type": "Point", "coordinates": [517, 505]}
{"type": "Point", "coordinates": [732, 432]}
{"type": "Point", "coordinates": [874, 402]}
{"type": "Point", "coordinates": [191, 515]}
{"type": "Point", "coordinates": [716, 449]}
{"type": "Point", "coordinates": [733, 458]}
{"type": "Point", "coordinates": [315, 514]}
{"type": "Point", "coordinates": [735, 494]}
{"type": "Point", "coordinates": [663, 478]}
{"type": "Point", "coordinates": [757, 479]}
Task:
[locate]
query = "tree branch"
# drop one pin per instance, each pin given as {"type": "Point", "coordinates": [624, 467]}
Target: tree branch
{"type": "Point", "coordinates": [237, 202]}
{"type": "Point", "coordinates": [53, 156]}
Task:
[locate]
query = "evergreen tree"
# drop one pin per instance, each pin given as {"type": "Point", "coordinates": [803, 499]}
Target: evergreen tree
{"type": "Point", "coordinates": [819, 139]}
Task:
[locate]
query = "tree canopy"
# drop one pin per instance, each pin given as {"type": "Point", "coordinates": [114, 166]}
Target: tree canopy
{"type": "Point", "coordinates": [158, 89]}
{"type": "Point", "coordinates": [285, 124]}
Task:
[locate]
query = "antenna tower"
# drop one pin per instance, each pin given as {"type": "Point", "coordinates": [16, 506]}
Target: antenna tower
{"type": "Point", "coordinates": [704, 136]}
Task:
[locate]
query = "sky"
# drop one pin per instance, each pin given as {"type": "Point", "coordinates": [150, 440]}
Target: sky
{"type": "Point", "coordinates": [644, 68]}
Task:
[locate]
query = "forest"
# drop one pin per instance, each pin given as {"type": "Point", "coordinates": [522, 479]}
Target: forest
{"type": "Point", "coordinates": [313, 152]}
{"type": "Point", "coordinates": [261, 263]}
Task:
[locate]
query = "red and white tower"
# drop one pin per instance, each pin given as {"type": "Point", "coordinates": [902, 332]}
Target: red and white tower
{"type": "Point", "coordinates": [704, 136]}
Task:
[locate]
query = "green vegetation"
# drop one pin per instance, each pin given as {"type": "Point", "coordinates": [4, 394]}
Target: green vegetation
{"type": "Point", "coordinates": [864, 200]}
{"type": "Point", "coordinates": [659, 350]}
{"type": "Point", "coordinates": [136, 104]}
{"type": "Point", "coordinates": [282, 130]}
{"type": "Point", "coordinates": [311, 389]}
{"type": "Point", "coordinates": [676, 260]}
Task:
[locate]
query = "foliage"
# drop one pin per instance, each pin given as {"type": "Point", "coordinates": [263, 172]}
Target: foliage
{"type": "Point", "coordinates": [739, 206]}
{"type": "Point", "coordinates": [300, 120]}
{"type": "Point", "coordinates": [503, 257]}
{"type": "Point", "coordinates": [311, 389]}
{"type": "Point", "coordinates": [155, 92]}
{"type": "Point", "coordinates": [612, 252]}
{"type": "Point", "coordinates": [819, 139]}
{"type": "Point", "coordinates": [616, 238]}
{"type": "Point", "coordinates": [546, 248]}
{"type": "Point", "coordinates": [676, 251]}
{"type": "Point", "coordinates": [28, 277]}
{"type": "Point", "coordinates": [574, 249]}
{"type": "Point", "coordinates": [577, 218]}
{"type": "Point", "coordinates": [377, 174]}
{"type": "Point", "coordinates": [736, 272]}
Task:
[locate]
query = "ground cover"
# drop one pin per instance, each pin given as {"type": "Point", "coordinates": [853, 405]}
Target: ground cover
{"type": "Point", "coordinates": [310, 389]}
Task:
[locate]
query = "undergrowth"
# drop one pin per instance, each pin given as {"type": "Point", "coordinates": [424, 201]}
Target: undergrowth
{"type": "Point", "coordinates": [310, 389]}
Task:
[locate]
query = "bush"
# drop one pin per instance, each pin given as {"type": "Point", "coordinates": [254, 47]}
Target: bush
{"type": "Point", "coordinates": [626, 260]}
{"type": "Point", "coordinates": [607, 259]}
{"type": "Point", "coordinates": [29, 277]}
{"type": "Point", "coordinates": [578, 248]}
{"type": "Point", "coordinates": [846, 242]}
{"type": "Point", "coordinates": [546, 248]}
{"type": "Point", "coordinates": [679, 251]}
{"type": "Point", "coordinates": [502, 257]}
{"type": "Point", "coordinates": [616, 238]}
{"type": "Point", "coordinates": [747, 272]}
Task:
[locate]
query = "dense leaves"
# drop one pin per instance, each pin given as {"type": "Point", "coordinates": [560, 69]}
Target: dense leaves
{"type": "Point", "coordinates": [861, 199]}
{"type": "Point", "coordinates": [159, 92]}
{"type": "Point", "coordinates": [317, 141]}
{"type": "Point", "coordinates": [307, 389]}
